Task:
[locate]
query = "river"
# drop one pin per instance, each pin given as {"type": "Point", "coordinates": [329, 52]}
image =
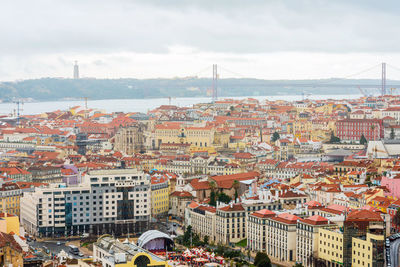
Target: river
{"type": "Point", "coordinates": [142, 105]}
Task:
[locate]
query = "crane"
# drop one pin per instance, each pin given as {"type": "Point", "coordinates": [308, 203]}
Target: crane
{"type": "Point", "coordinates": [362, 91]}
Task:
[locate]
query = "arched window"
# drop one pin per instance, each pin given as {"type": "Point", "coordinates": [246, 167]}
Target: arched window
{"type": "Point", "coordinates": [142, 261]}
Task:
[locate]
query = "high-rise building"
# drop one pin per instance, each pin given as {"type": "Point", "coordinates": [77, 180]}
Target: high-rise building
{"type": "Point", "coordinates": [76, 70]}
{"type": "Point", "coordinates": [107, 201]}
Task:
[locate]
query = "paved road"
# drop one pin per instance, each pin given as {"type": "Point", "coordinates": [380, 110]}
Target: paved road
{"type": "Point", "coordinates": [51, 247]}
{"type": "Point", "coordinates": [394, 252]}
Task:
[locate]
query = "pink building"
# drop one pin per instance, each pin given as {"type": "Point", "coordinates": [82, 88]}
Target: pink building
{"type": "Point", "coordinates": [393, 184]}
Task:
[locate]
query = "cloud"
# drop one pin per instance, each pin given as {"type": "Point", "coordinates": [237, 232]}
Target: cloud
{"type": "Point", "coordinates": [44, 37]}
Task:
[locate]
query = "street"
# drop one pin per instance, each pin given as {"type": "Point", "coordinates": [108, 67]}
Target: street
{"type": "Point", "coordinates": [51, 248]}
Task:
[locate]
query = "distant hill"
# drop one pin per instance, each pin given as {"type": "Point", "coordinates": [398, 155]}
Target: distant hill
{"type": "Point", "coordinates": [48, 89]}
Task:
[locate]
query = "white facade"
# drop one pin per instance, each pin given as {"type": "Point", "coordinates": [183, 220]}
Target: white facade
{"type": "Point", "coordinates": [106, 201]}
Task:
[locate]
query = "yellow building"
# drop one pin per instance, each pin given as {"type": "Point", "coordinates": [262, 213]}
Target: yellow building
{"type": "Point", "coordinates": [238, 145]}
{"type": "Point", "coordinates": [195, 149]}
{"type": "Point", "coordinates": [9, 198]}
{"type": "Point", "coordinates": [143, 259]}
{"type": "Point", "coordinates": [9, 223]}
{"type": "Point", "coordinates": [159, 194]}
{"type": "Point", "coordinates": [363, 251]}
{"type": "Point", "coordinates": [330, 247]}
{"type": "Point", "coordinates": [11, 253]}
{"type": "Point", "coordinates": [326, 109]}
{"type": "Point", "coordinates": [173, 132]}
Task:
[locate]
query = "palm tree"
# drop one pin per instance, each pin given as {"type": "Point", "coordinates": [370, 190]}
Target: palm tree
{"type": "Point", "coordinates": [213, 196]}
{"type": "Point", "coordinates": [236, 187]}
{"type": "Point", "coordinates": [212, 185]}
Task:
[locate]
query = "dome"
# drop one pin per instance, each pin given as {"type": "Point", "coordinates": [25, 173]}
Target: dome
{"type": "Point", "coordinates": [154, 239]}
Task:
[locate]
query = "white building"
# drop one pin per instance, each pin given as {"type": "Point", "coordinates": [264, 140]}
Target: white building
{"type": "Point", "coordinates": [107, 201]}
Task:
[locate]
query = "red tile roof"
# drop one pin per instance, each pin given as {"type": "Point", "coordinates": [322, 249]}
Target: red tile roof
{"type": "Point", "coordinates": [286, 218]}
{"type": "Point", "coordinates": [316, 220]}
{"type": "Point", "coordinates": [265, 213]}
{"type": "Point", "coordinates": [364, 215]}
{"type": "Point", "coordinates": [312, 204]}
{"type": "Point", "coordinates": [193, 205]}
{"type": "Point", "coordinates": [181, 194]}
{"type": "Point", "coordinates": [197, 185]}
{"type": "Point", "coordinates": [226, 181]}
{"type": "Point", "coordinates": [291, 194]}
{"type": "Point", "coordinates": [8, 240]}
{"type": "Point", "coordinates": [234, 207]}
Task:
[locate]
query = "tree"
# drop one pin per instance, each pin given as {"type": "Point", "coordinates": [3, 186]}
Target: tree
{"type": "Point", "coordinates": [334, 139]}
{"type": "Point", "coordinates": [213, 200]}
{"type": "Point", "coordinates": [222, 197]}
{"type": "Point", "coordinates": [236, 186]}
{"type": "Point", "coordinates": [262, 260]}
{"type": "Point", "coordinates": [206, 239]}
{"type": "Point", "coordinates": [298, 264]}
{"type": "Point", "coordinates": [392, 135]}
{"type": "Point", "coordinates": [213, 196]}
{"type": "Point", "coordinates": [368, 180]}
{"type": "Point", "coordinates": [363, 140]}
{"type": "Point", "coordinates": [275, 136]}
{"type": "Point", "coordinates": [187, 236]}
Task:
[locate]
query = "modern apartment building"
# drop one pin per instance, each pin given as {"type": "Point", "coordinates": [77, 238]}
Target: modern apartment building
{"type": "Point", "coordinates": [107, 201]}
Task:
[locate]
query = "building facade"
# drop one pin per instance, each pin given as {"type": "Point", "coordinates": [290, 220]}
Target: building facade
{"type": "Point", "coordinates": [353, 129]}
{"type": "Point", "coordinates": [230, 224]}
{"type": "Point", "coordinates": [159, 195]}
{"type": "Point", "coordinates": [129, 140]}
{"type": "Point", "coordinates": [108, 201]}
{"type": "Point", "coordinates": [10, 194]}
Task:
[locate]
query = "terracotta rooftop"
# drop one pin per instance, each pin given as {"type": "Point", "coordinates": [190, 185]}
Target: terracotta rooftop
{"type": "Point", "coordinates": [197, 185]}
{"type": "Point", "coordinates": [286, 218]}
{"type": "Point", "coordinates": [316, 220]}
{"type": "Point", "coordinates": [181, 194]}
{"type": "Point", "coordinates": [265, 213]}
{"type": "Point", "coordinates": [234, 207]}
{"type": "Point", "coordinates": [364, 215]}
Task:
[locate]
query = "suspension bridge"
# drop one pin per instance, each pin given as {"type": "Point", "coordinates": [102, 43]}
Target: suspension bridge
{"type": "Point", "coordinates": [380, 70]}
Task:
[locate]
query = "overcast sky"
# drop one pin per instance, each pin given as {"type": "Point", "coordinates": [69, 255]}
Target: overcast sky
{"type": "Point", "coordinates": [266, 39]}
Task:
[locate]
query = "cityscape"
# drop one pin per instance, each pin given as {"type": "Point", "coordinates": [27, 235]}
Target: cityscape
{"type": "Point", "coordinates": [116, 151]}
